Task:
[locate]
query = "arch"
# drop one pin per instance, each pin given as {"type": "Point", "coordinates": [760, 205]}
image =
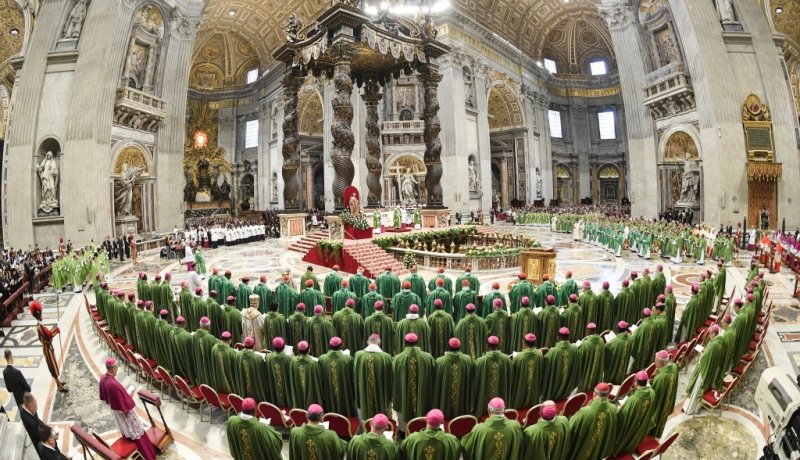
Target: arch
{"type": "Point", "coordinates": [690, 133]}
{"type": "Point", "coordinates": [5, 105]}
{"type": "Point", "coordinates": [562, 171]}
{"type": "Point", "coordinates": [135, 154]}
{"type": "Point", "coordinates": [608, 171]}
{"type": "Point", "coordinates": [311, 111]}
{"type": "Point", "coordinates": [504, 108]}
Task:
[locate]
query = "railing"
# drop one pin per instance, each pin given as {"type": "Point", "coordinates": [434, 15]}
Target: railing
{"type": "Point", "coordinates": [16, 301]}
{"type": "Point", "coordinates": [670, 84]}
{"type": "Point", "coordinates": [663, 72]}
{"type": "Point", "coordinates": [141, 100]}
{"type": "Point", "coordinates": [402, 126]}
{"type": "Point", "coordinates": [457, 261]}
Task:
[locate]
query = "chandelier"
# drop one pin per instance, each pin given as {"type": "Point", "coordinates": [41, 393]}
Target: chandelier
{"type": "Point", "coordinates": [406, 7]}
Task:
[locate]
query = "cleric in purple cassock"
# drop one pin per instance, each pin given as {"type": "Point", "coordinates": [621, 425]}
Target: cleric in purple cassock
{"type": "Point", "coordinates": [130, 427]}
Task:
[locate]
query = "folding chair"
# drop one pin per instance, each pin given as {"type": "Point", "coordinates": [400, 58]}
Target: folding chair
{"type": "Point", "coordinates": [460, 426]}
{"type": "Point", "coordinates": [277, 417]}
{"type": "Point", "coordinates": [299, 417]}
{"type": "Point", "coordinates": [345, 427]}
{"type": "Point", "coordinates": [415, 424]}
{"type": "Point", "coordinates": [214, 400]}
{"type": "Point", "coordinates": [188, 394]}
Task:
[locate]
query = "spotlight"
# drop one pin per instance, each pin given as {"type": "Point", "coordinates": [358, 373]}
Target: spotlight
{"type": "Point", "coordinates": [231, 12]}
{"type": "Point", "coordinates": [779, 10]}
{"type": "Point", "coordinates": [14, 32]}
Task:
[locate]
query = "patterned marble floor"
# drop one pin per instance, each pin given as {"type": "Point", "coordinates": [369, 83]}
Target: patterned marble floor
{"type": "Point", "coordinates": [739, 432]}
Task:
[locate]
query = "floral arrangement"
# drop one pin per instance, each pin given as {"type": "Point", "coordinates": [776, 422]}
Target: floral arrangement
{"type": "Point", "coordinates": [358, 222]}
{"type": "Point", "coordinates": [409, 260]}
{"type": "Point", "coordinates": [330, 249]}
{"type": "Point", "coordinates": [457, 234]}
{"type": "Point", "coordinates": [493, 252]}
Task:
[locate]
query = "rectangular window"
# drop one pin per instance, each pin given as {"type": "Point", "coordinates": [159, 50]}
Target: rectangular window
{"type": "Point", "coordinates": [252, 76]}
{"type": "Point", "coordinates": [550, 65]}
{"type": "Point", "coordinates": [605, 121]}
{"type": "Point", "coordinates": [554, 117]}
{"type": "Point", "coordinates": [251, 134]}
{"type": "Point", "coordinates": [598, 67]}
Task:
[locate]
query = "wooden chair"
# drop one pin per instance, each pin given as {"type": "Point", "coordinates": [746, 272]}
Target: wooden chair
{"type": "Point", "coordinates": [573, 404]}
{"type": "Point", "coordinates": [345, 427]}
{"type": "Point", "coordinates": [533, 415]}
{"type": "Point", "coordinates": [214, 400]}
{"type": "Point", "coordinates": [188, 394]}
{"type": "Point", "coordinates": [277, 417]}
{"type": "Point", "coordinates": [392, 427]}
{"type": "Point", "coordinates": [236, 402]}
{"type": "Point", "coordinates": [89, 443]}
{"type": "Point", "coordinates": [460, 426]}
{"type": "Point", "coordinates": [167, 379]}
{"type": "Point", "coordinates": [160, 437]}
{"type": "Point", "coordinates": [623, 389]}
{"type": "Point", "coordinates": [665, 445]}
{"type": "Point", "coordinates": [416, 424]}
{"type": "Point", "coordinates": [122, 447]}
{"type": "Point", "coordinates": [298, 416]}
{"type": "Point", "coordinates": [713, 399]}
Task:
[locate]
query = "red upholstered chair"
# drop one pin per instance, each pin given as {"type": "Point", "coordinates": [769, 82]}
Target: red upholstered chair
{"type": "Point", "coordinates": [188, 394]}
{"type": "Point", "coordinates": [511, 414]}
{"type": "Point", "coordinates": [124, 448]}
{"type": "Point", "coordinates": [649, 443]}
{"type": "Point", "coordinates": [89, 443]}
{"type": "Point", "coordinates": [573, 404]}
{"type": "Point", "coordinates": [628, 456]}
{"type": "Point", "coordinates": [214, 400]}
{"type": "Point", "coordinates": [236, 403]}
{"type": "Point", "coordinates": [651, 369]}
{"type": "Point", "coordinates": [392, 427]}
{"type": "Point", "coordinates": [415, 424]}
{"type": "Point", "coordinates": [276, 416]}
{"type": "Point", "coordinates": [533, 415]}
{"type": "Point", "coordinates": [677, 354]}
{"type": "Point", "coordinates": [665, 445]}
{"type": "Point", "coordinates": [521, 413]}
{"type": "Point", "coordinates": [713, 399]}
{"type": "Point", "coordinates": [167, 380]}
{"type": "Point", "coordinates": [461, 425]}
{"type": "Point", "coordinates": [345, 427]}
{"type": "Point", "coordinates": [298, 416]}
{"type": "Point", "coordinates": [623, 389]}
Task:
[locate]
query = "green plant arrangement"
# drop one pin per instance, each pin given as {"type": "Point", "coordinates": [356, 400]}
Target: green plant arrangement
{"type": "Point", "coordinates": [330, 250]}
{"type": "Point", "coordinates": [409, 260]}
{"type": "Point", "coordinates": [493, 252]}
{"type": "Point", "coordinates": [358, 222]}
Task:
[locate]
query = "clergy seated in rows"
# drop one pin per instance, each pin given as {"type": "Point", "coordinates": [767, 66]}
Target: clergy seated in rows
{"type": "Point", "coordinates": [373, 444]}
{"type": "Point", "coordinates": [432, 442]}
{"type": "Point", "coordinates": [374, 381]}
{"type": "Point", "coordinates": [250, 438]}
{"type": "Point", "coordinates": [313, 441]}
{"type": "Point", "coordinates": [413, 370]}
{"type": "Point", "coordinates": [497, 437]}
{"type": "Point", "coordinates": [710, 370]}
{"type": "Point", "coordinates": [593, 429]}
{"type": "Point", "coordinates": [549, 437]}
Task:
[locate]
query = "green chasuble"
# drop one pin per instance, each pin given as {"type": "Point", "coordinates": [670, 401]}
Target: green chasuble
{"type": "Point", "coordinates": [278, 366]}
{"type": "Point", "coordinates": [314, 442]}
{"type": "Point", "coordinates": [474, 284]}
{"type": "Point", "coordinates": [745, 326]}
{"type": "Point", "coordinates": [662, 332]}
{"type": "Point", "coordinates": [443, 295]}
{"type": "Point", "coordinates": [572, 319]}
{"type": "Point", "coordinates": [472, 333]}
{"type": "Point", "coordinates": [225, 289]}
{"type": "Point", "coordinates": [626, 307]}
{"type": "Point", "coordinates": [181, 351]}
{"type": "Point", "coordinates": [523, 322]}
{"type": "Point", "coordinates": [250, 375]}
{"type": "Point", "coordinates": [690, 320]}
{"type": "Point", "coordinates": [274, 326]}
{"type": "Point", "coordinates": [162, 355]}
{"type": "Point", "coordinates": [549, 320]}
{"type": "Point", "coordinates": [337, 383]}
{"type": "Point", "coordinates": [296, 329]}
{"type": "Point", "coordinates": [264, 297]}
{"type": "Point", "coordinates": [657, 287]}
{"type": "Point", "coordinates": [492, 379]}
{"type": "Point", "coordinates": [540, 295]}
{"type": "Point", "coordinates": [185, 301]}
{"type": "Point", "coordinates": [487, 306]}
{"type": "Point", "coordinates": [591, 353]}
{"type": "Point", "coordinates": [349, 327]}
{"type": "Point", "coordinates": [216, 316]}
{"type": "Point", "coordinates": [136, 321]}
{"type": "Point", "coordinates": [588, 303]}
{"type": "Point", "coordinates": [249, 439]}
{"type": "Point", "coordinates": [441, 326]}
{"type": "Point", "coordinates": [367, 303]}
{"type": "Point", "coordinates": [305, 382]}
{"type": "Point", "coordinates": [311, 297]}
{"type": "Point", "coordinates": [497, 437]}
{"type": "Point", "coordinates": [370, 446]}
{"type": "Point", "coordinates": [593, 431]}
{"type": "Point", "coordinates": [547, 439]}
{"type": "Point", "coordinates": [417, 326]}
{"type": "Point", "coordinates": [320, 331]}
{"type": "Point", "coordinates": [452, 392]}
{"type": "Point", "coordinates": [645, 291]}
{"type": "Point", "coordinates": [499, 325]}
{"type": "Point", "coordinates": [198, 310]}
{"type": "Point", "coordinates": [527, 370]}
{"type": "Point", "coordinates": [430, 444]}
{"type": "Point", "coordinates": [639, 295]}
{"type": "Point", "coordinates": [645, 342]}
{"type": "Point", "coordinates": [522, 289]}
{"type": "Point", "coordinates": [287, 298]}
{"type": "Point", "coordinates": [359, 284]}
{"type": "Point", "coordinates": [202, 345]}
{"type": "Point", "coordinates": [340, 298]}
{"type": "Point", "coordinates": [374, 383]}
{"type": "Point", "coordinates": [719, 287]}
{"type": "Point", "coordinates": [606, 311]}
{"type": "Point", "coordinates": [333, 281]}
{"type": "Point", "coordinates": [710, 370]}
{"type": "Point", "coordinates": [379, 323]}
{"type": "Point", "coordinates": [448, 283]}
{"type": "Point", "coordinates": [388, 284]}
{"type": "Point", "coordinates": [213, 283]}
{"type": "Point", "coordinates": [417, 285]}
{"type": "Point", "coordinates": [618, 358]}
{"type": "Point", "coordinates": [166, 298]}
{"type": "Point", "coordinates": [142, 290]}
{"type": "Point", "coordinates": [413, 371]}
{"type": "Point", "coordinates": [669, 313]}
{"type": "Point", "coordinates": [562, 371]}
{"type": "Point", "coordinates": [308, 275]}
{"type": "Point", "coordinates": [460, 301]}
{"type": "Point", "coordinates": [155, 297]}
{"type": "Point", "coordinates": [665, 391]}
{"type": "Point", "coordinates": [400, 303]}
{"type": "Point", "coordinates": [223, 359]}
{"type": "Point", "coordinates": [565, 290]}
{"type": "Point", "coordinates": [243, 293]}
{"type": "Point", "coordinates": [148, 335]}
{"type": "Point", "coordinates": [634, 419]}
{"type": "Point", "coordinates": [233, 322]}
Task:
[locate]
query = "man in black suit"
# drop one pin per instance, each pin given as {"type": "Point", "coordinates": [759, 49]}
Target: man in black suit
{"type": "Point", "coordinates": [30, 419]}
{"type": "Point", "coordinates": [48, 449]}
{"type": "Point", "coordinates": [15, 382]}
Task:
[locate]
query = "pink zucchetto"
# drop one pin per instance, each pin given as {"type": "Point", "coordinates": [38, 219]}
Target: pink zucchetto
{"type": "Point", "coordinates": [626, 282]}
{"type": "Point", "coordinates": [549, 412]}
{"type": "Point", "coordinates": [226, 335]}
{"type": "Point", "coordinates": [591, 326]}
{"type": "Point", "coordinates": [180, 320]}
{"type": "Point", "coordinates": [315, 409]}
{"type": "Point", "coordinates": [642, 377]}
{"type": "Point", "coordinates": [335, 342]}
{"type": "Point", "coordinates": [434, 418]}
{"type": "Point", "coordinates": [573, 298]}
{"type": "Point", "coordinates": [715, 328]}
{"type": "Point", "coordinates": [525, 301]}
{"type": "Point", "coordinates": [302, 346]}
{"type": "Point", "coordinates": [563, 331]}
{"type": "Point", "coordinates": [249, 404]}
{"type": "Point", "coordinates": [379, 305]}
{"type": "Point", "coordinates": [454, 343]}
{"type": "Point", "coordinates": [318, 309]}
{"type": "Point", "coordinates": [350, 302]}
{"type": "Point", "coordinates": [204, 321]}
{"type": "Point", "coordinates": [301, 307]}
{"type": "Point", "coordinates": [530, 338]}
{"type": "Point", "coordinates": [497, 303]}
{"type": "Point", "coordinates": [606, 285]}
{"type": "Point", "coordinates": [587, 284]}
{"type": "Point", "coordinates": [647, 312]}
{"type": "Point", "coordinates": [110, 362]}
{"type": "Point", "coordinates": [497, 403]}
{"type": "Point", "coordinates": [551, 299]}
{"type": "Point", "coordinates": [380, 421]}
{"type": "Point", "coordinates": [602, 388]}
{"type": "Point", "coordinates": [470, 307]}
{"type": "Point", "coordinates": [414, 308]}
{"type": "Point", "coordinates": [622, 325]}
{"type": "Point", "coordinates": [695, 288]}
{"type": "Point", "coordinates": [493, 340]}
{"type": "Point", "coordinates": [249, 342]}
{"type": "Point", "coordinates": [662, 354]}
{"type": "Point", "coordinates": [661, 298]}
{"type": "Point", "coordinates": [410, 338]}
{"type": "Point", "coordinates": [438, 303]}
{"type": "Point", "coordinates": [278, 342]}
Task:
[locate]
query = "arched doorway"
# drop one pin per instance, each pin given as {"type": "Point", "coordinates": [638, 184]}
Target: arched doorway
{"type": "Point", "coordinates": [564, 185]}
{"type": "Point", "coordinates": [608, 176]}
{"type": "Point", "coordinates": [404, 180]}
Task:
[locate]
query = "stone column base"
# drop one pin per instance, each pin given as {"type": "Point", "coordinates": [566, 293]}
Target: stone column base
{"type": "Point", "coordinates": [125, 225]}
{"type": "Point", "coordinates": [435, 218]}
{"type": "Point", "coordinates": [292, 224]}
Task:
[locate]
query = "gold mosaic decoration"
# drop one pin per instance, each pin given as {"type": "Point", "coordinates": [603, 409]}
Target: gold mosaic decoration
{"type": "Point", "coordinates": [203, 119]}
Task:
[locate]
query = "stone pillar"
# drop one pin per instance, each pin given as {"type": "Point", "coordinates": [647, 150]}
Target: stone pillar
{"type": "Point", "coordinates": [372, 96]}
{"type": "Point", "coordinates": [581, 141]}
{"type": "Point", "coordinates": [327, 145]}
{"type": "Point", "coordinates": [454, 135]}
{"type": "Point", "coordinates": [291, 141]}
{"type": "Point", "coordinates": [264, 177]}
{"type": "Point", "coordinates": [226, 133]}
{"type": "Point", "coordinates": [341, 129]}
{"type": "Point", "coordinates": [484, 145]}
{"type": "Point", "coordinates": [504, 183]}
{"type": "Point", "coordinates": [430, 78]}
{"type": "Point", "coordinates": [548, 183]}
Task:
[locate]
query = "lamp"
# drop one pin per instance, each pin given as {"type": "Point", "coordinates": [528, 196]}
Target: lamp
{"type": "Point", "coordinates": [407, 7]}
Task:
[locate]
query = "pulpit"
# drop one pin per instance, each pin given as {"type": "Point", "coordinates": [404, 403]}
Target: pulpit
{"type": "Point", "coordinates": [538, 262]}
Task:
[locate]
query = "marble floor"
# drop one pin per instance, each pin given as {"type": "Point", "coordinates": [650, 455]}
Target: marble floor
{"type": "Point", "coordinates": [740, 431]}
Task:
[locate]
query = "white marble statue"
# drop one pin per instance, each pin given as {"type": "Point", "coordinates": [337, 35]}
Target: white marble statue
{"type": "Point", "coordinates": [474, 182]}
{"type": "Point", "coordinates": [408, 187]}
{"type": "Point", "coordinates": [690, 180]}
{"type": "Point", "coordinates": [123, 189]}
{"type": "Point", "coordinates": [75, 20]}
{"type": "Point", "coordinates": [725, 11]}
{"type": "Point", "coordinates": [48, 177]}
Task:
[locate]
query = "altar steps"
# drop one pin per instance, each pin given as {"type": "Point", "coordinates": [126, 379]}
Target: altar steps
{"type": "Point", "coordinates": [308, 242]}
{"type": "Point", "coordinates": [374, 258]}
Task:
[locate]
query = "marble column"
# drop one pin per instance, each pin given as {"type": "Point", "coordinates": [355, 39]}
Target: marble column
{"type": "Point", "coordinates": [226, 133]}
{"type": "Point", "coordinates": [327, 145]}
{"type": "Point", "coordinates": [581, 143]}
{"type": "Point", "coordinates": [341, 129]}
{"type": "Point", "coordinates": [481, 76]}
{"type": "Point", "coordinates": [372, 95]}
{"type": "Point", "coordinates": [504, 183]}
{"type": "Point", "coordinates": [264, 177]}
{"type": "Point", "coordinates": [454, 134]}
{"type": "Point", "coordinates": [548, 183]}
{"type": "Point", "coordinates": [430, 77]}
{"type": "Point", "coordinates": [291, 141]}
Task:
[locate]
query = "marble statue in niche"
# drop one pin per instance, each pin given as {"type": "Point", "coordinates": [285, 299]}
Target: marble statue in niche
{"type": "Point", "coordinates": [407, 184]}
{"type": "Point", "coordinates": [469, 86]}
{"type": "Point", "coordinates": [538, 182]}
{"type": "Point", "coordinates": [667, 46]}
{"type": "Point", "coordinates": [690, 180]}
{"type": "Point", "coordinates": [474, 181]}
{"type": "Point", "coordinates": [48, 179]}
{"type": "Point", "coordinates": [150, 20]}
{"type": "Point", "coordinates": [75, 20]}
{"type": "Point", "coordinates": [225, 189]}
{"type": "Point", "coordinates": [274, 187]}
{"type": "Point", "coordinates": [136, 66]}
{"type": "Point", "coordinates": [725, 11]}
{"type": "Point", "coordinates": [123, 189]}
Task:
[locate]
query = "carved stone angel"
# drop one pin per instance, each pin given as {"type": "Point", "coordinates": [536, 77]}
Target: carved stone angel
{"type": "Point", "coordinates": [292, 28]}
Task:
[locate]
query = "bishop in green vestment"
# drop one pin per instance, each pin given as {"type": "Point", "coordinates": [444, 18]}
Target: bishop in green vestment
{"type": "Point", "coordinates": [562, 371]}
{"type": "Point", "coordinates": [213, 280]}
{"type": "Point", "coordinates": [527, 370]}
{"type": "Point", "coordinates": [658, 284]}
{"type": "Point", "coordinates": [432, 442]}
{"type": "Point", "coordinates": [320, 331]}
{"type": "Point", "coordinates": [337, 380]}
{"type": "Point", "coordinates": [349, 326]}
{"type": "Point", "coordinates": [548, 438]}
{"type": "Point", "coordinates": [442, 295]}
{"type": "Point", "coordinates": [142, 288]}
{"type": "Point", "coordinates": [471, 279]}
{"type": "Point", "coordinates": [497, 437]}
{"type": "Point", "coordinates": [402, 301]}
{"type": "Point", "coordinates": [373, 445]}
{"type": "Point", "coordinates": [454, 386]}
{"type": "Point", "coordinates": [359, 283]}
{"type": "Point", "coordinates": [645, 341]}
{"type": "Point", "coordinates": [226, 288]}
{"type": "Point", "coordinates": [618, 355]}
{"type": "Point", "coordinates": [233, 320]}
{"type": "Point", "coordinates": [249, 439]}
{"type": "Point", "coordinates": [382, 325]}
{"type": "Point", "coordinates": [488, 300]}
{"type": "Point", "coordinates": [368, 300]}
{"type": "Point", "coordinates": [413, 371]}
{"type": "Point", "coordinates": [690, 318]}
{"type": "Point", "coordinates": [311, 297]}
{"type": "Point", "coordinates": [374, 381]}
{"type": "Point", "coordinates": [441, 327]}
{"type": "Point", "coordinates": [417, 284]}
{"type": "Point", "coordinates": [635, 416]}
{"type": "Point", "coordinates": [203, 343]}
{"type": "Point", "coordinates": [605, 309]}
{"type": "Point", "coordinates": [155, 294]}
{"type": "Point", "coordinates": [565, 290]}
{"type": "Point", "coordinates": [492, 376]}
{"type": "Point", "coordinates": [388, 284]}
{"type": "Point", "coordinates": [521, 289]}
{"type": "Point", "coordinates": [278, 365]}
{"type": "Point", "coordinates": [309, 275]}
{"type": "Point", "coordinates": [274, 326]}
{"type": "Point", "coordinates": [591, 353]}
{"type": "Point", "coordinates": [463, 297]}
{"type": "Point", "coordinates": [297, 325]}
{"type": "Point", "coordinates": [181, 351]}
{"type": "Point", "coordinates": [472, 332]}
{"type": "Point", "coordinates": [250, 372]}
{"type": "Point", "coordinates": [523, 322]}
{"type": "Point", "coordinates": [593, 429]}
{"type": "Point", "coordinates": [305, 378]}
{"type": "Point", "coordinates": [264, 294]}
{"type": "Point", "coordinates": [223, 359]}
{"type": "Point", "coordinates": [572, 318]}
{"type": "Point", "coordinates": [313, 442]}
{"type": "Point", "coordinates": [498, 324]}
{"type": "Point", "coordinates": [185, 300]}
{"type": "Point", "coordinates": [243, 293]}
{"type": "Point", "coordinates": [549, 322]}
{"type": "Point", "coordinates": [215, 314]}
{"type": "Point", "coordinates": [547, 288]}
{"type": "Point", "coordinates": [333, 281]}
{"type": "Point", "coordinates": [448, 283]}
{"type": "Point", "coordinates": [588, 303]}
{"type": "Point", "coordinates": [286, 297]}
{"type": "Point", "coordinates": [412, 323]}
{"type": "Point", "coordinates": [341, 297]}
{"type": "Point", "coordinates": [709, 372]}
{"type": "Point", "coordinates": [665, 391]}
{"type": "Point", "coordinates": [163, 330]}
{"type": "Point", "coordinates": [625, 305]}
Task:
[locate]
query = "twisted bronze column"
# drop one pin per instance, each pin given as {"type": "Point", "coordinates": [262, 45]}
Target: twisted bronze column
{"type": "Point", "coordinates": [341, 128]}
{"type": "Point", "coordinates": [430, 78]}
{"type": "Point", "coordinates": [291, 141]}
{"type": "Point", "coordinates": [372, 95]}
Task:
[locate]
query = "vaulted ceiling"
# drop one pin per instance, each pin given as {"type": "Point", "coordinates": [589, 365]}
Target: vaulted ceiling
{"type": "Point", "coordinates": [10, 42]}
